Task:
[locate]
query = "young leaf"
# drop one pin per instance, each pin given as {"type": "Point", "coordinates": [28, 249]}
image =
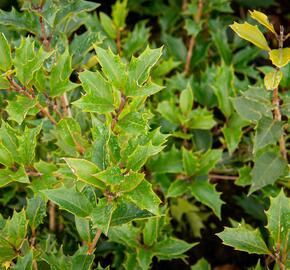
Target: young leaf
{"type": "Point", "coordinates": [186, 100]}
{"type": "Point", "coordinates": [278, 216]}
{"type": "Point", "coordinates": [251, 33]}
{"type": "Point", "coordinates": [70, 200]}
{"type": "Point", "coordinates": [144, 197]}
{"type": "Point", "coordinates": [244, 239]}
{"type": "Point", "coordinates": [190, 162]}
{"type": "Point", "coordinates": [119, 13]}
{"type": "Point", "coordinates": [99, 93]}
{"type": "Point", "coordinates": [268, 131]}
{"type": "Point", "coordinates": [150, 231]}
{"type": "Point", "coordinates": [202, 264]}
{"type": "Point", "coordinates": [108, 25]}
{"type": "Point", "coordinates": [5, 61]}
{"type": "Point", "coordinates": [266, 175]}
{"type": "Point", "coordinates": [280, 57]}
{"type": "Point", "coordinates": [112, 67]}
{"type": "Point", "coordinates": [206, 193]}
{"type": "Point", "coordinates": [262, 19]}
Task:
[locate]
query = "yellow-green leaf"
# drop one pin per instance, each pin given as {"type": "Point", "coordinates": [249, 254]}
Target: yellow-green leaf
{"type": "Point", "coordinates": [262, 19]}
{"type": "Point", "coordinates": [280, 57]}
{"type": "Point", "coordinates": [272, 79]}
{"type": "Point", "coordinates": [251, 33]}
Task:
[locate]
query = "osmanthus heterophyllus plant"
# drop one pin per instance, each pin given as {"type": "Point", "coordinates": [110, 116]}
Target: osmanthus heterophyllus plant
{"type": "Point", "coordinates": [86, 158]}
{"type": "Point", "coordinates": [263, 108]}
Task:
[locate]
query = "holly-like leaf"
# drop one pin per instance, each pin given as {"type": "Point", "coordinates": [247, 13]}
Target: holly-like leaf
{"type": "Point", "coordinates": [99, 93]}
{"type": "Point", "coordinates": [85, 170]}
{"type": "Point", "coordinates": [27, 144]}
{"type": "Point", "coordinates": [150, 231]}
{"type": "Point", "coordinates": [6, 157]}
{"type": "Point", "coordinates": [266, 175]}
{"type": "Point", "coordinates": [244, 239]}
{"type": "Point", "coordinates": [140, 67]}
{"type": "Point", "coordinates": [278, 216]}
{"type": "Point", "coordinates": [35, 211]}
{"type": "Point", "coordinates": [108, 25]}
{"type": "Point", "coordinates": [144, 197]}
{"type": "Point", "coordinates": [102, 215]}
{"type": "Point", "coordinates": [177, 188]}
{"type": "Point", "coordinates": [82, 262]}
{"type": "Point", "coordinates": [5, 61]}
{"type": "Point", "coordinates": [15, 229]}
{"type": "Point", "coordinates": [251, 33]}
{"type": "Point", "coordinates": [112, 67]}
{"type": "Point", "coordinates": [268, 131]}
{"type": "Point", "coordinates": [18, 108]}
{"type": "Point", "coordinates": [70, 200]}
{"type": "Point", "coordinates": [206, 193]}
{"type": "Point", "coordinates": [280, 57]}
{"type": "Point", "coordinates": [7, 176]}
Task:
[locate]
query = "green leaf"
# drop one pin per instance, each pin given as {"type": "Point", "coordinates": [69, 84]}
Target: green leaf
{"type": "Point", "coordinates": [7, 176]}
{"type": "Point", "coordinates": [102, 215]}
{"type": "Point", "coordinates": [6, 157]}
{"type": "Point", "coordinates": [272, 79]}
{"type": "Point", "coordinates": [150, 231]}
{"type": "Point", "coordinates": [223, 87]}
{"type": "Point", "coordinates": [112, 67]}
{"type": "Point", "coordinates": [108, 25]}
{"type": "Point", "coordinates": [59, 75]}
{"type": "Point", "coordinates": [24, 263]}
{"type": "Point", "coordinates": [186, 99]}
{"type": "Point", "coordinates": [18, 109]}
{"type": "Point", "coordinates": [208, 160]}
{"type": "Point", "coordinates": [244, 239]}
{"type": "Point", "coordinates": [266, 175]}
{"type": "Point", "coordinates": [119, 13]}
{"type": "Point", "coordinates": [126, 211]}
{"type": "Point", "coordinates": [35, 211]}
{"type": "Point", "coordinates": [134, 122]}
{"type": "Point", "coordinates": [15, 229]}
{"type": "Point", "coordinates": [190, 162]}
{"type": "Point", "coordinates": [200, 118]}
{"type": "Point", "coordinates": [140, 155]}
{"type": "Point", "coordinates": [99, 93]}
{"type": "Point", "coordinates": [7, 253]}
{"type": "Point", "coordinates": [139, 68]}
{"type": "Point", "coordinates": [27, 144]}
{"type": "Point", "coordinates": [171, 247]}
{"type": "Point", "coordinates": [70, 200]}
{"type": "Point", "coordinates": [177, 188]}
{"type": "Point", "coordinates": [85, 170]}
{"type": "Point", "coordinates": [251, 33]}
{"type": "Point", "coordinates": [192, 27]}
{"type": "Point", "coordinates": [206, 193]}
{"type": "Point", "coordinates": [233, 131]}
{"type": "Point", "coordinates": [69, 138]}
{"type": "Point", "coordinates": [268, 131]}
{"type": "Point", "coordinates": [27, 60]}
{"type": "Point", "coordinates": [144, 197]}
{"type": "Point", "coordinates": [262, 19]}
{"type": "Point", "coordinates": [280, 57]}
{"type": "Point", "coordinates": [202, 264]}
{"type": "Point", "coordinates": [83, 226]}
{"type": "Point", "coordinates": [278, 216]}
{"type": "Point", "coordinates": [126, 234]}
{"type": "Point", "coordinates": [169, 111]}
{"type": "Point", "coordinates": [144, 258]}
{"type": "Point", "coordinates": [82, 262]}
{"type": "Point", "coordinates": [5, 61]}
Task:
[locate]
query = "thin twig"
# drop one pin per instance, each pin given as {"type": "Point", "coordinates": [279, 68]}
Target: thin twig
{"type": "Point", "coordinates": [192, 40]}
{"type": "Point", "coordinates": [223, 177]}
{"type": "Point", "coordinates": [65, 105]}
{"type": "Point", "coordinates": [93, 244]}
{"type": "Point", "coordinates": [52, 222]}
{"type": "Point", "coordinates": [118, 112]}
{"type": "Point", "coordinates": [118, 41]}
{"type": "Point", "coordinates": [44, 38]}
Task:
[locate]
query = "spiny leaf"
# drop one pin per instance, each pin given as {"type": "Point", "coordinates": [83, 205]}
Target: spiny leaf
{"type": "Point", "coordinates": [262, 19]}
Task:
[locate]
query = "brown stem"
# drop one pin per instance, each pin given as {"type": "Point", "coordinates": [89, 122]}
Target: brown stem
{"type": "Point", "coordinates": [93, 244]}
{"type": "Point", "coordinates": [118, 112]}
{"type": "Point", "coordinates": [52, 222]}
{"type": "Point", "coordinates": [278, 261]}
{"type": "Point", "coordinates": [65, 105]}
{"type": "Point", "coordinates": [222, 177]}
{"type": "Point", "coordinates": [46, 113]}
{"type": "Point", "coordinates": [118, 41]}
{"type": "Point", "coordinates": [192, 40]}
{"type": "Point", "coordinates": [45, 40]}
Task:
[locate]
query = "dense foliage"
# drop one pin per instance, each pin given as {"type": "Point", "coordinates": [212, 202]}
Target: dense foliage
{"type": "Point", "coordinates": [143, 135]}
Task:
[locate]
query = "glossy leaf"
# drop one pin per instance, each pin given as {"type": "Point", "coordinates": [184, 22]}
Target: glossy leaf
{"type": "Point", "coordinates": [280, 57]}
{"type": "Point", "coordinates": [272, 79]}
{"type": "Point", "coordinates": [5, 62]}
{"type": "Point", "coordinates": [262, 19]}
